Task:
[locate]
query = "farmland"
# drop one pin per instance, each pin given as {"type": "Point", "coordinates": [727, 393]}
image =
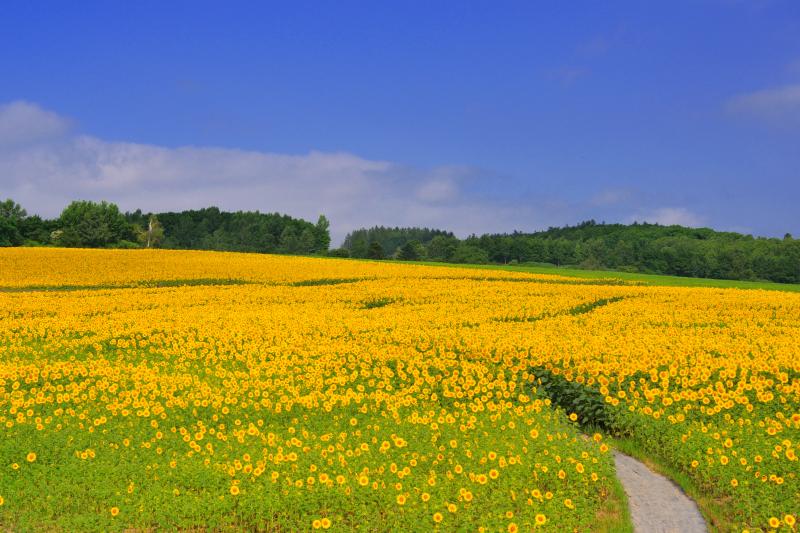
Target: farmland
{"type": "Point", "coordinates": [178, 389]}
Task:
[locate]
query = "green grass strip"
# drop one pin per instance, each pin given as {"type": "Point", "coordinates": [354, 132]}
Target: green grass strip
{"type": "Point", "coordinates": [611, 275]}
{"type": "Point", "coordinates": [324, 281]}
{"type": "Point", "coordinates": [152, 284]}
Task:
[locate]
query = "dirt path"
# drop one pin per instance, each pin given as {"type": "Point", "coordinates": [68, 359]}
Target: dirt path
{"type": "Point", "coordinates": [657, 505]}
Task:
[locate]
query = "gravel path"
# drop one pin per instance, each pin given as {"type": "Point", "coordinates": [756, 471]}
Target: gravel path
{"type": "Point", "coordinates": [657, 505]}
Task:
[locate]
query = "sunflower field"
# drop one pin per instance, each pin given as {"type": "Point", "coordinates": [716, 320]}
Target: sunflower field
{"type": "Point", "coordinates": [146, 389]}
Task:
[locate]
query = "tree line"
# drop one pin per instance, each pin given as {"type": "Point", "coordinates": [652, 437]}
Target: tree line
{"type": "Point", "coordinates": [646, 248]}
{"type": "Point", "coordinates": [87, 224]}
{"type": "Point", "coordinates": [409, 244]}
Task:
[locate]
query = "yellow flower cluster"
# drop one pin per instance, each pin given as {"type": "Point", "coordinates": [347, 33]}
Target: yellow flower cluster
{"type": "Point", "coordinates": [186, 389]}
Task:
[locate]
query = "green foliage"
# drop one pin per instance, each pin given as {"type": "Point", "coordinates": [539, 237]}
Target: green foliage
{"type": "Point", "coordinates": [635, 248]}
{"type": "Point", "coordinates": [35, 230]}
{"type": "Point", "coordinates": [9, 233]}
{"type": "Point", "coordinates": [573, 397]}
{"type": "Point", "coordinates": [151, 284]}
{"type": "Point", "coordinates": [466, 253]}
{"type": "Point", "coordinates": [591, 306]}
{"type": "Point", "coordinates": [442, 248]}
{"type": "Point", "coordinates": [324, 281]}
{"type": "Point", "coordinates": [11, 210]}
{"type": "Point", "coordinates": [101, 225]}
{"type": "Point", "coordinates": [390, 239]}
{"type": "Point", "coordinates": [322, 235]}
{"type": "Point", "coordinates": [11, 217]}
{"type": "Point", "coordinates": [308, 242]}
{"type": "Point", "coordinates": [240, 231]}
{"type": "Point", "coordinates": [339, 252]}
{"type": "Point", "coordinates": [151, 235]}
{"type": "Point", "coordinates": [377, 302]}
{"type": "Point", "coordinates": [375, 251]}
{"type": "Point", "coordinates": [411, 251]}
{"type": "Point", "coordinates": [89, 224]}
{"type": "Point", "coordinates": [652, 248]}
{"type": "Point", "coordinates": [124, 245]}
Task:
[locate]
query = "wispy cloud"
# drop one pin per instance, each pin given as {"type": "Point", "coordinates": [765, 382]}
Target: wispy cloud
{"type": "Point", "coordinates": [47, 166]}
{"type": "Point", "coordinates": [23, 122]}
{"type": "Point", "coordinates": [440, 188]}
{"type": "Point", "coordinates": [44, 166]}
{"type": "Point", "coordinates": [777, 104]}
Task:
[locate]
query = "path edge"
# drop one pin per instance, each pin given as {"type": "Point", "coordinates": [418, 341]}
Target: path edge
{"type": "Point", "coordinates": [713, 514]}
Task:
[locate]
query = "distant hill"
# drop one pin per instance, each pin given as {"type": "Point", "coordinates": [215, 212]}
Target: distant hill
{"type": "Point", "coordinates": [649, 248]}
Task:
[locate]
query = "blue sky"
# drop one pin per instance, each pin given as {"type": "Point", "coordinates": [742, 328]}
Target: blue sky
{"type": "Point", "coordinates": [471, 116]}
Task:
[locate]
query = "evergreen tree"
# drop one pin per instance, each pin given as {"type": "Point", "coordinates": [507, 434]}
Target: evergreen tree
{"type": "Point", "coordinates": [375, 251]}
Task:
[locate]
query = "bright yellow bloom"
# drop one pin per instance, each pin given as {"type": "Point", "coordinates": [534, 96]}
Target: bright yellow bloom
{"type": "Point", "coordinates": [334, 375]}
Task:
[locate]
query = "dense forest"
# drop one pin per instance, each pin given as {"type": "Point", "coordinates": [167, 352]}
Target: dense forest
{"type": "Point", "coordinates": [102, 225]}
{"type": "Point", "coordinates": [648, 248]}
{"type": "Point", "coordinates": [242, 231]}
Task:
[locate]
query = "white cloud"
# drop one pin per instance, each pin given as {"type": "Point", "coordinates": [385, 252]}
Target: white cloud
{"type": "Point", "coordinates": [47, 171]}
{"type": "Point", "coordinates": [23, 122]}
{"type": "Point", "coordinates": [669, 216]}
{"type": "Point", "coordinates": [774, 104]}
{"type": "Point", "coordinates": [438, 189]}
{"type": "Point", "coordinates": [56, 166]}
